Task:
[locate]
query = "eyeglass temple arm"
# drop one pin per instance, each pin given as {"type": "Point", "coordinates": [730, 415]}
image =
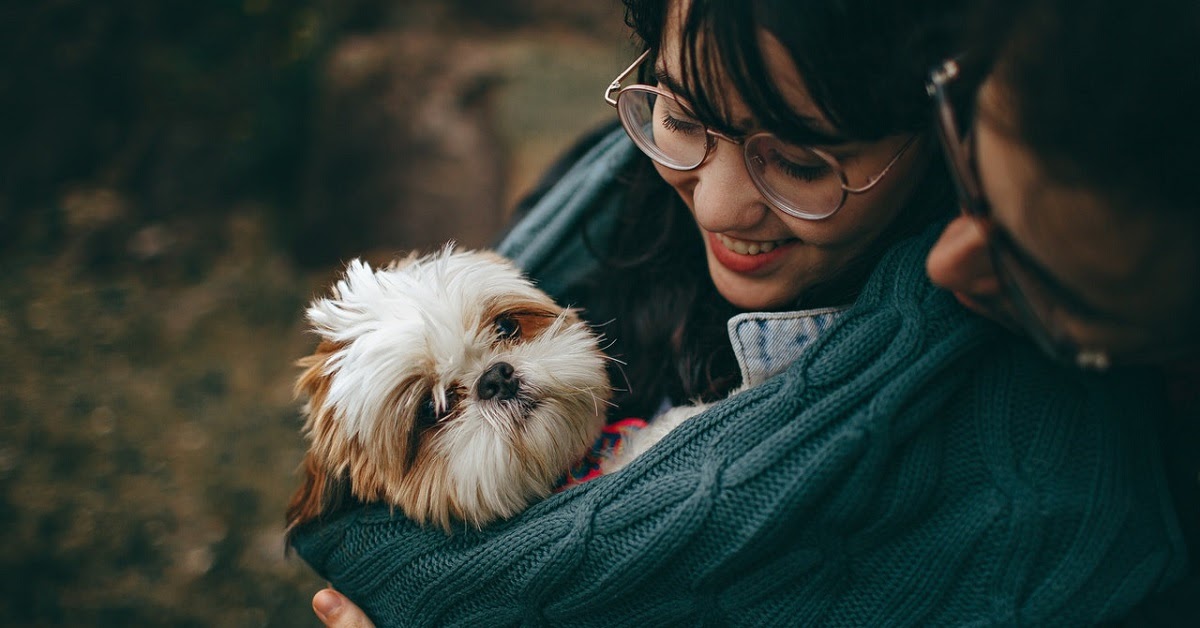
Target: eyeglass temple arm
{"type": "Point", "coordinates": [873, 181]}
{"type": "Point", "coordinates": [939, 78]}
{"type": "Point", "coordinates": [616, 84]}
{"type": "Point", "coordinates": [941, 75]}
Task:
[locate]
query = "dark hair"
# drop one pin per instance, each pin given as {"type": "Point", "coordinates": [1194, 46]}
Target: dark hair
{"type": "Point", "coordinates": [1106, 93]}
{"type": "Point", "coordinates": [864, 63]}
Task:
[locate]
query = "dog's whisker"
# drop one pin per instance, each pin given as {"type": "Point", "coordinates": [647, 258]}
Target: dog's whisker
{"type": "Point", "coordinates": [608, 344]}
{"type": "Point", "coordinates": [624, 376]}
{"type": "Point", "coordinates": [596, 403]}
{"type": "Point", "coordinates": [500, 419]}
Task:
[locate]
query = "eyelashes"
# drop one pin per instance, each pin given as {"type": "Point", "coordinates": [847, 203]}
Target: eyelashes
{"type": "Point", "coordinates": [427, 418]}
{"type": "Point", "coordinates": [427, 414]}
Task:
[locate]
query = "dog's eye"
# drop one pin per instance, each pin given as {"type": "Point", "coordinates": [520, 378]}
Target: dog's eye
{"type": "Point", "coordinates": [507, 327]}
{"type": "Point", "coordinates": [427, 414]}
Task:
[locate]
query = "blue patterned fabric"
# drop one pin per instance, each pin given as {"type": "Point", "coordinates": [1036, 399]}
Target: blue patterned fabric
{"type": "Point", "coordinates": [766, 343]}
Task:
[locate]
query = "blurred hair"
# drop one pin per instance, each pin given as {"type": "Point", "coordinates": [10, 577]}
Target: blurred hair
{"type": "Point", "coordinates": [1104, 92]}
{"type": "Point", "coordinates": [864, 61]}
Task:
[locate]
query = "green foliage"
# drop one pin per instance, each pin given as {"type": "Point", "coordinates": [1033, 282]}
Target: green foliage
{"type": "Point", "coordinates": [177, 103]}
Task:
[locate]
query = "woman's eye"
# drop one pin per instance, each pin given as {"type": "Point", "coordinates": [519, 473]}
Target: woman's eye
{"type": "Point", "coordinates": [676, 125]}
{"type": "Point", "coordinates": [507, 327]}
{"type": "Point", "coordinates": [803, 172]}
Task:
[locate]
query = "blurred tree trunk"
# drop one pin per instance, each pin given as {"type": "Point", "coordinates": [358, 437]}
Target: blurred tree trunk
{"type": "Point", "coordinates": [405, 152]}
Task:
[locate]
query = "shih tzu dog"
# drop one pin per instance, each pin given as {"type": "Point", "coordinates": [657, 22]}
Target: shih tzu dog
{"type": "Point", "coordinates": [446, 385]}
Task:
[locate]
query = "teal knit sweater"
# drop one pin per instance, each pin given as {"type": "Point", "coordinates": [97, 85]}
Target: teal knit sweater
{"type": "Point", "coordinates": [915, 466]}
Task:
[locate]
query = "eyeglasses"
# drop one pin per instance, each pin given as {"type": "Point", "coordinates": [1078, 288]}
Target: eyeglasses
{"type": "Point", "coordinates": [1035, 299]}
{"type": "Point", "coordinates": [800, 181]}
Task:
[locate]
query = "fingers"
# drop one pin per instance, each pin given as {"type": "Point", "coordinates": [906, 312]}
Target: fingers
{"type": "Point", "coordinates": [335, 611]}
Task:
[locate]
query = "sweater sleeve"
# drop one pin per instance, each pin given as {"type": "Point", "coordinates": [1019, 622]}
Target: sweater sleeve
{"type": "Point", "coordinates": [912, 468]}
{"type": "Point", "coordinates": [549, 241]}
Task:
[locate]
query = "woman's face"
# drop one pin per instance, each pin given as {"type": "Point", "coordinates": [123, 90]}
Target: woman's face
{"type": "Point", "coordinates": [759, 257]}
{"type": "Point", "coordinates": [1108, 278]}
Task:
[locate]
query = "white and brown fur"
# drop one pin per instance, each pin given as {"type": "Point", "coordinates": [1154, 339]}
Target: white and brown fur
{"type": "Point", "coordinates": [410, 402]}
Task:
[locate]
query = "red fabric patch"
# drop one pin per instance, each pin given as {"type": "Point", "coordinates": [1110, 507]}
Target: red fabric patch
{"type": "Point", "coordinates": [606, 446]}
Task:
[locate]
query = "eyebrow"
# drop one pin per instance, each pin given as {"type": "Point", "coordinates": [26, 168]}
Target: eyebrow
{"type": "Point", "coordinates": [815, 126]}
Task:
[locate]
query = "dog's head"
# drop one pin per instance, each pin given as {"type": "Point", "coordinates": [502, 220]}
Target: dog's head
{"type": "Point", "coordinates": [447, 385]}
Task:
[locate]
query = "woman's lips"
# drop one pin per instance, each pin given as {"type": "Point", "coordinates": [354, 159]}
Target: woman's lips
{"type": "Point", "coordinates": [746, 256]}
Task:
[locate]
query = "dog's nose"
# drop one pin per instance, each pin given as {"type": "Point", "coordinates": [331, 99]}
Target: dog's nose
{"type": "Point", "coordinates": [498, 382]}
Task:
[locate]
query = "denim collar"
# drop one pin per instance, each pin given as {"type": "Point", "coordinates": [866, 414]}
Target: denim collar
{"type": "Point", "coordinates": [766, 343]}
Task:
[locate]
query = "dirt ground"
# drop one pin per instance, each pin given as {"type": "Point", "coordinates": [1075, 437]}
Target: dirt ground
{"type": "Point", "coordinates": [149, 323]}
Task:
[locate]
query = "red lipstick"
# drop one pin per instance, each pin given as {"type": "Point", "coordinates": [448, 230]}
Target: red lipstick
{"type": "Point", "coordinates": [745, 264]}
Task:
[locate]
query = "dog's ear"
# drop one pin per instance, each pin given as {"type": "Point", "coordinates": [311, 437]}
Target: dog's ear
{"type": "Point", "coordinates": [313, 382]}
{"type": "Point", "coordinates": [322, 493]}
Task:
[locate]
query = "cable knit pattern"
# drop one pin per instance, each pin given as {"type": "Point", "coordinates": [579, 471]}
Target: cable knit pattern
{"type": "Point", "coordinates": [915, 466]}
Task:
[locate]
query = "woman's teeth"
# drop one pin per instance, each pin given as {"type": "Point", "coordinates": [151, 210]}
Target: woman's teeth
{"type": "Point", "coordinates": [748, 247]}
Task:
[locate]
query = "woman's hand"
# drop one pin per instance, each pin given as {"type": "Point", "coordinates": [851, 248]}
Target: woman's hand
{"type": "Point", "coordinates": [336, 611]}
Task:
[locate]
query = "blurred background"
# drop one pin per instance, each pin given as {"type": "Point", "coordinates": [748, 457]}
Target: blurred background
{"type": "Point", "coordinates": [177, 180]}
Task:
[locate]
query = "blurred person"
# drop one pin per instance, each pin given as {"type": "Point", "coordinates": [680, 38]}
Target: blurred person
{"type": "Point", "coordinates": [895, 459]}
{"type": "Point", "coordinates": [1074, 159]}
{"type": "Point", "coordinates": [1071, 129]}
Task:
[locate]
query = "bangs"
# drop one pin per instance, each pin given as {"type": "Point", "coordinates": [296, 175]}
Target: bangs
{"type": "Point", "coordinates": [720, 49]}
{"type": "Point", "coordinates": [863, 63]}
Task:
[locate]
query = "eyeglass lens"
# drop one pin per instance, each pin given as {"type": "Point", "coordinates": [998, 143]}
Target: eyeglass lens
{"type": "Point", "coordinates": [799, 181]}
{"type": "Point", "coordinates": [663, 129]}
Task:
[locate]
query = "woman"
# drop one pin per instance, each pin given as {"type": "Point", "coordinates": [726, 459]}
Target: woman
{"type": "Point", "coordinates": [895, 460]}
{"type": "Point", "coordinates": [798, 232]}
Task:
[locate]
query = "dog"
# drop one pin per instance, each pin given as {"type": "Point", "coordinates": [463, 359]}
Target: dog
{"type": "Point", "coordinates": [447, 385]}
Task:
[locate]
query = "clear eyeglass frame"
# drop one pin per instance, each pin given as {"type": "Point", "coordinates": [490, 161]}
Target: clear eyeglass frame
{"type": "Point", "coordinates": [753, 153]}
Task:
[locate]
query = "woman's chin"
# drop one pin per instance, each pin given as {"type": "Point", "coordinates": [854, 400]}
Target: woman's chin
{"type": "Point", "coordinates": [754, 296]}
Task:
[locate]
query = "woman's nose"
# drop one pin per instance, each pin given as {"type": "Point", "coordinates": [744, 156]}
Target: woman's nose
{"type": "Point", "coordinates": [725, 197]}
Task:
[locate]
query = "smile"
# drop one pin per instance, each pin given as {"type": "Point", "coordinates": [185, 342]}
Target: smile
{"type": "Point", "coordinates": [749, 257]}
{"type": "Point", "coordinates": [748, 247]}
